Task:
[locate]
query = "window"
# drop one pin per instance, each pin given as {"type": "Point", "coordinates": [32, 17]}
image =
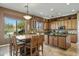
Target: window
{"type": "Point", "coordinates": [13, 25]}
{"type": "Point", "coordinates": [39, 26]}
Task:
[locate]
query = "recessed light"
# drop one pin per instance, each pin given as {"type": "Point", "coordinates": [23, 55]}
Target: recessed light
{"type": "Point", "coordinates": [41, 13]}
{"type": "Point", "coordinates": [49, 15]}
{"type": "Point", "coordinates": [67, 3]}
{"type": "Point", "coordinates": [51, 9]}
{"type": "Point", "coordinates": [46, 17]}
{"type": "Point", "coordinates": [73, 10]}
{"type": "Point", "coordinates": [59, 13]}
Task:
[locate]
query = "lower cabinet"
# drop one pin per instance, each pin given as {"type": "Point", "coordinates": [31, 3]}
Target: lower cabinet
{"type": "Point", "coordinates": [60, 41]}
{"type": "Point", "coordinates": [55, 41]}
{"type": "Point", "coordinates": [51, 40]}
{"type": "Point", "coordinates": [73, 38]}
{"type": "Point", "coordinates": [46, 39]}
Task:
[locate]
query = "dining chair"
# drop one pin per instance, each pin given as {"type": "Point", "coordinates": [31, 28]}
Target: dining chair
{"type": "Point", "coordinates": [32, 46]}
{"type": "Point", "coordinates": [10, 47]}
{"type": "Point", "coordinates": [16, 46]}
{"type": "Point", "coordinates": [40, 43]}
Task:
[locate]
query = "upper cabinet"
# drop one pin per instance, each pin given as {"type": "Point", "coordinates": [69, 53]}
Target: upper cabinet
{"type": "Point", "coordinates": [74, 23]}
{"type": "Point", "coordinates": [70, 23]}
{"type": "Point", "coordinates": [36, 24]}
{"type": "Point", "coordinates": [65, 24]}
{"type": "Point", "coordinates": [46, 25]}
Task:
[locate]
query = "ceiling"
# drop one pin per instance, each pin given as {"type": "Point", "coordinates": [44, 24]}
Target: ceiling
{"type": "Point", "coordinates": [45, 10]}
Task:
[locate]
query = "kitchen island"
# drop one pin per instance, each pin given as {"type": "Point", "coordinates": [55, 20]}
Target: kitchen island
{"type": "Point", "coordinates": [61, 41]}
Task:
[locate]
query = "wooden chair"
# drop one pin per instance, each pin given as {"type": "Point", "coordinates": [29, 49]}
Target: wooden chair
{"type": "Point", "coordinates": [16, 46]}
{"type": "Point", "coordinates": [32, 45]}
{"type": "Point", "coordinates": [40, 43]}
{"type": "Point", "coordinates": [10, 46]}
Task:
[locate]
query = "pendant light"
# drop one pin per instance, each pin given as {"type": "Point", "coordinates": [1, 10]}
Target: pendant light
{"type": "Point", "coordinates": [27, 16]}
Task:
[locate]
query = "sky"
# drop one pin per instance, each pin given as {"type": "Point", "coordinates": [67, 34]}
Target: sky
{"type": "Point", "coordinates": [9, 20]}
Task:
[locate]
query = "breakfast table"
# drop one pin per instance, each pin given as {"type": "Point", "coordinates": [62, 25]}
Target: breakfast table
{"type": "Point", "coordinates": [24, 39]}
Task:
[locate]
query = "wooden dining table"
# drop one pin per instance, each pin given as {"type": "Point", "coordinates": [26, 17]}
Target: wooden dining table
{"type": "Point", "coordinates": [24, 39]}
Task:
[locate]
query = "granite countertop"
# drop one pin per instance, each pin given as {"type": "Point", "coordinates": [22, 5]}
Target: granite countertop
{"type": "Point", "coordinates": [62, 35]}
{"type": "Point", "coordinates": [72, 34]}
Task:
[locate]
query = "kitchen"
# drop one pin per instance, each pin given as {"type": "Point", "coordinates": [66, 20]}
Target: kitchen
{"type": "Point", "coordinates": [60, 31]}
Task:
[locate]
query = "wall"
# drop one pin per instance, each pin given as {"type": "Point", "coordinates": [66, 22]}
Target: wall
{"type": "Point", "coordinates": [78, 27]}
{"type": "Point", "coordinates": [1, 27]}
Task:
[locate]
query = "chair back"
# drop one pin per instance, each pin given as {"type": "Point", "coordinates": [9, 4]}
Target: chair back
{"type": "Point", "coordinates": [40, 40]}
{"type": "Point", "coordinates": [34, 41]}
{"type": "Point", "coordinates": [14, 41]}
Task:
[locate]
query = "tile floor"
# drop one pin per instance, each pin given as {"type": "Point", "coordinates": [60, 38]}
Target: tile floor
{"type": "Point", "coordinates": [55, 51]}
{"type": "Point", "coordinates": [49, 51]}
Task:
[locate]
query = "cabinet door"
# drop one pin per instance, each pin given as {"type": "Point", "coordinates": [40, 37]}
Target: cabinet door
{"type": "Point", "coordinates": [50, 40]}
{"type": "Point", "coordinates": [69, 24]}
{"type": "Point", "coordinates": [59, 23]}
{"type": "Point", "coordinates": [65, 24]}
{"type": "Point", "coordinates": [52, 26]}
{"type": "Point", "coordinates": [55, 24]}
{"type": "Point", "coordinates": [55, 41]}
{"type": "Point", "coordinates": [46, 39]}
{"type": "Point", "coordinates": [74, 24]}
{"type": "Point", "coordinates": [46, 25]}
{"type": "Point", "coordinates": [61, 42]}
{"type": "Point", "coordinates": [74, 38]}
{"type": "Point", "coordinates": [62, 23]}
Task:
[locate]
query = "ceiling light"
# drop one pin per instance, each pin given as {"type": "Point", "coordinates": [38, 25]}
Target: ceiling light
{"type": "Point", "coordinates": [41, 13]}
{"type": "Point", "coordinates": [73, 10]}
{"type": "Point", "coordinates": [49, 15]}
{"type": "Point", "coordinates": [51, 9]}
{"type": "Point", "coordinates": [59, 13]}
{"type": "Point", "coordinates": [67, 3]}
{"type": "Point", "coordinates": [27, 16]}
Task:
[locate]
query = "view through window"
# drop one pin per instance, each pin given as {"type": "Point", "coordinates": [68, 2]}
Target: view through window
{"type": "Point", "coordinates": [39, 26]}
{"type": "Point", "coordinates": [13, 25]}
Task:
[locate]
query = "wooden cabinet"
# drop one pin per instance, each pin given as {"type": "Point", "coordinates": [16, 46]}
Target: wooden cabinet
{"type": "Point", "coordinates": [46, 39]}
{"type": "Point", "coordinates": [56, 27]}
{"type": "Point", "coordinates": [46, 25]}
{"type": "Point", "coordinates": [62, 23]}
{"type": "Point", "coordinates": [52, 25]}
{"type": "Point", "coordinates": [59, 23]}
{"type": "Point", "coordinates": [74, 24]}
{"type": "Point", "coordinates": [62, 42]}
{"type": "Point", "coordinates": [65, 24]}
{"type": "Point", "coordinates": [73, 38]}
{"type": "Point", "coordinates": [69, 24]}
{"type": "Point", "coordinates": [51, 40]}
{"type": "Point", "coordinates": [55, 41]}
